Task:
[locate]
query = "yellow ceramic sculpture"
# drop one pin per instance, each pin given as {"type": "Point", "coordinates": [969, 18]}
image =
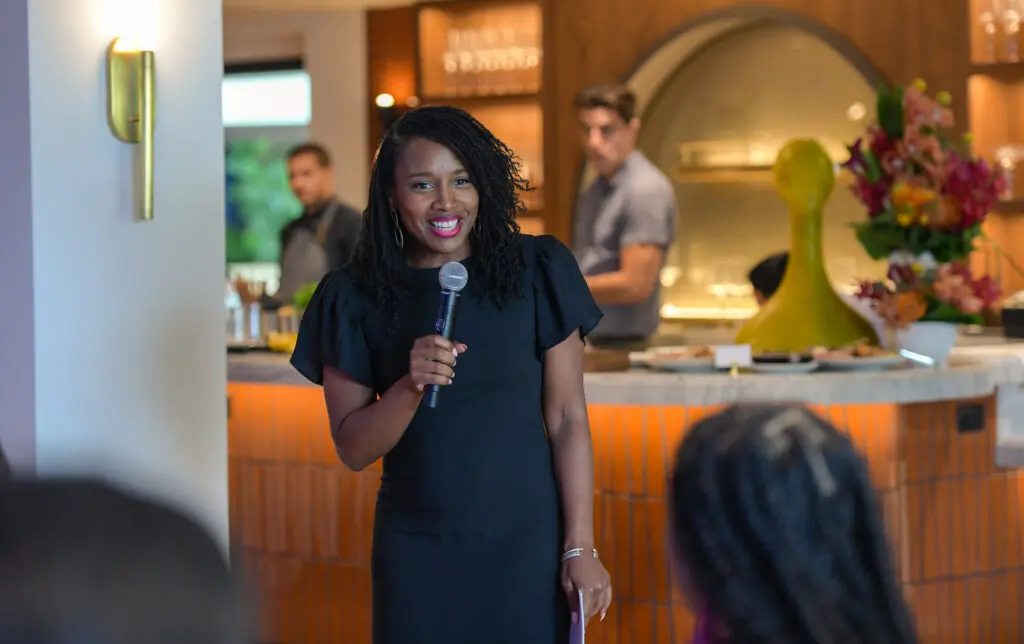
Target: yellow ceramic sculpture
{"type": "Point", "coordinates": [805, 311]}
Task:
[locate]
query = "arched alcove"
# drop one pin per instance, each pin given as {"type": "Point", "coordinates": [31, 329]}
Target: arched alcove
{"type": "Point", "coordinates": [718, 99]}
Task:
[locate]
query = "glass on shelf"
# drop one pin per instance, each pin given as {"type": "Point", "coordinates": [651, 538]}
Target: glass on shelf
{"type": "Point", "coordinates": [1007, 158]}
{"type": "Point", "coordinates": [1010, 16]}
{"type": "Point", "coordinates": [988, 16]}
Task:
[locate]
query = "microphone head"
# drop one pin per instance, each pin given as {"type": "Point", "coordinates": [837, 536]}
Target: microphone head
{"type": "Point", "coordinates": [453, 277]}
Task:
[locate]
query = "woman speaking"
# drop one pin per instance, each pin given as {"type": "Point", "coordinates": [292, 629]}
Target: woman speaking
{"type": "Point", "coordinates": [484, 522]}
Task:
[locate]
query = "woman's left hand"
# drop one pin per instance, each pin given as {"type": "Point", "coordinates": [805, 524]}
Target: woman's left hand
{"type": "Point", "coordinates": [589, 575]}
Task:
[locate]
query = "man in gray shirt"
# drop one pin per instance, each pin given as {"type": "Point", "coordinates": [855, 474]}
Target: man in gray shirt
{"type": "Point", "coordinates": [625, 220]}
{"type": "Point", "coordinates": [324, 236]}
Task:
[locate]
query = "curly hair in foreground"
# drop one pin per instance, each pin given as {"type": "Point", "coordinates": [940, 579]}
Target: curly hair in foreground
{"type": "Point", "coordinates": [778, 534]}
{"type": "Point", "coordinates": [378, 263]}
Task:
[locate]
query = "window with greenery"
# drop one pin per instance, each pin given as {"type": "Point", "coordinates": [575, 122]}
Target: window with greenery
{"type": "Point", "coordinates": [259, 202]}
{"type": "Point", "coordinates": [265, 113]}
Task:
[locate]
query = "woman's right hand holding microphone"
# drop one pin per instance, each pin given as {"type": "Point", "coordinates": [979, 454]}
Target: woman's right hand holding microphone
{"type": "Point", "coordinates": [432, 361]}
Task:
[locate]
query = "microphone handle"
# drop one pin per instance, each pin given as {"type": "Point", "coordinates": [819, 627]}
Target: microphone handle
{"type": "Point", "coordinates": [443, 326]}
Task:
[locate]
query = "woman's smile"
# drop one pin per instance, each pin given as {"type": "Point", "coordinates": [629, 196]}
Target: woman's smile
{"type": "Point", "coordinates": [446, 227]}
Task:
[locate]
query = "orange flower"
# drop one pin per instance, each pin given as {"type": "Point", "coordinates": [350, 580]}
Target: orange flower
{"type": "Point", "coordinates": [906, 195]}
{"type": "Point", "coordinates": [946, 215]}
{"type": "Point", "coordinates": [899, 310]}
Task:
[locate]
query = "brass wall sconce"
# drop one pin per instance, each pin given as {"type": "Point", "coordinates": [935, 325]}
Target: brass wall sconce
{"type": "Point", "coordinates": [131, 110]}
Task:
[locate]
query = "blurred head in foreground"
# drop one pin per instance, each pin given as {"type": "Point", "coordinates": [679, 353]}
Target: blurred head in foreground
{"type": "Point", "coordinates": [81, 563]}
{"type": "Point", "coordinates": [777, 533]}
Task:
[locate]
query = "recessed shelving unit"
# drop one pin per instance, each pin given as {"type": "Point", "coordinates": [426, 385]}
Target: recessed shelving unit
{"type": "Point", "coordinates": [486, 58]}
{"type": "Point", "coordinates": [996, 121]}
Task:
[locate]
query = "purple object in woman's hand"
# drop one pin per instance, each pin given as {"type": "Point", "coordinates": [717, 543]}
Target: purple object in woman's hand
{"type": "Point", "coordinates": [702, 633]}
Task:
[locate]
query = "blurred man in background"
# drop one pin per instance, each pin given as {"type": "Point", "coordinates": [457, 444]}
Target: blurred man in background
{"type": "Point", "coordinates": [625, 220]}
{"type": "Point", "coordinates": [322, 238]}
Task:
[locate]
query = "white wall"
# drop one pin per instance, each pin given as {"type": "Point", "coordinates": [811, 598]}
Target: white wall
{"type": "Point", "coordinates": [128, 357]}
{"type": "Point", "coordinates": [17, 329]}
{"type": "Point", "coordinates": [333, 46]}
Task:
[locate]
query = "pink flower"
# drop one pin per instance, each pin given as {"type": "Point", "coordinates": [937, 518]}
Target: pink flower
{"type": "Point", "coordinates": [879, 143]}
{"type": "Point", "coordinates": [972, 187]}
{"type": "Point", "coordinates": [901, 275]}
{"type": "Point", "coordinates": [870, 290]}
{"type": "Point", "coordinates": [897, 162]}
{"type": "Point", "coordinates": [987, 289]}
{"type": "Point", "coordinates": [954, 285]}
{"type": "Point", "coordinates": [970, 304]}
{"type": "Point", "coordinates": [922, 111]}
{"type": "Point", "coordinates": [873, 195]}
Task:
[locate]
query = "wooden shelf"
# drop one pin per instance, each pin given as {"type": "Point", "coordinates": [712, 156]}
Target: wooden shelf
{"type": "Point", "coordinates": [739, 174]}
{"type": "Point", "coordinates": [1005, 71]}
{"type": "Point", "coordinates": [1010, 207]}
{"type": "Point", "coordinates": [480, 99]}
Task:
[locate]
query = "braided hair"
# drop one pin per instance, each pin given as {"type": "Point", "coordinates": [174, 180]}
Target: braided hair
{"type": "Point", "coordinates": [778, 532]}
{"type": "Point", "coordinates": [378, 265]}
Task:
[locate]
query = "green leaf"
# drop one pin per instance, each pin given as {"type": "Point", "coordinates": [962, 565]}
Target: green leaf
{"type": "Point", "coordinates": [943, 312]}
{"type": "Point", "coordinates": [949, 247]}
{"type": "Point", "coordinates": [887, 218]}
{"type": "Point", "coordinates": [304, 294]}
{"type": "Point", "coordinates": [879, 241]}
{"type": "Point", "coordinates": [872, 169]}
{"type": "Point", "coordinates": [890, 112]}
{"type": "Point", "coordinates": [917, 238]}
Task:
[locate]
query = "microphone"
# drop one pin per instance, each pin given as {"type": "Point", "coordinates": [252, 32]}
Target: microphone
{"type": "Point", "coordinates": [453, 277]}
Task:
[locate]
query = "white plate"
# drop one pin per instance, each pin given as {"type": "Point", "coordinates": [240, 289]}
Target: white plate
{"type": "Point", "coordinates": [868, 363]}
{"type": "Point", "coordinates": [784, 367]}
{"type": "Point", "coordinates": [639, 358]}
{"type": "Point", "coordinates": [682, 365]}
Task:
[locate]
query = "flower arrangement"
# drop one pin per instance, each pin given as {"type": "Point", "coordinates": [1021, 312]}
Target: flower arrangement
{"type": "Point", "coordinates": [927, 199]}
{"type": "Point", "coordinates": [920, 289]}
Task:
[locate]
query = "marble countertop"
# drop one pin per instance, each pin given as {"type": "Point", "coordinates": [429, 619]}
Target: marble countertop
{"type": "Point", "coordinates": [975, 370]}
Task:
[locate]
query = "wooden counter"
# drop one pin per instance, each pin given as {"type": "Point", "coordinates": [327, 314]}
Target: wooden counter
{"type": "Point", "coordinates": [302, 523]}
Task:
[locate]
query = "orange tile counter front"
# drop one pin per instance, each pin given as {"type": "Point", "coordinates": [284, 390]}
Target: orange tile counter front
{"type": "Point", "coordinates": [301, 523]}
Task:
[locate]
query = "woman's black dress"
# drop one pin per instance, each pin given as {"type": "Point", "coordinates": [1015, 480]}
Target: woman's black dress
{"type": "Point", "coordinates": [468, 527]}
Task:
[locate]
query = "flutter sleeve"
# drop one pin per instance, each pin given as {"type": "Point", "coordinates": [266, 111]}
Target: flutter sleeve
{"type": "Point", "coordinates": [331, 333]}
{"type": "Point", "coordinates": [564, 304]}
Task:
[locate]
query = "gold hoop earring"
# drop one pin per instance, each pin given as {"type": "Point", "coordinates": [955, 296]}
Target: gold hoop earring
{"type": "Point", "coordinates": [399, 236]}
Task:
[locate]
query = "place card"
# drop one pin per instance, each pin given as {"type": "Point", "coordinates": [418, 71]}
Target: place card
{"type": "Point", "coordinates": [728, 356]}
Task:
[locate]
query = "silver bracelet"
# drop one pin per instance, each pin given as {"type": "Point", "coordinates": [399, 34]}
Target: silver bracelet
{"type": "Point", "coordinates": [572, 553]}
